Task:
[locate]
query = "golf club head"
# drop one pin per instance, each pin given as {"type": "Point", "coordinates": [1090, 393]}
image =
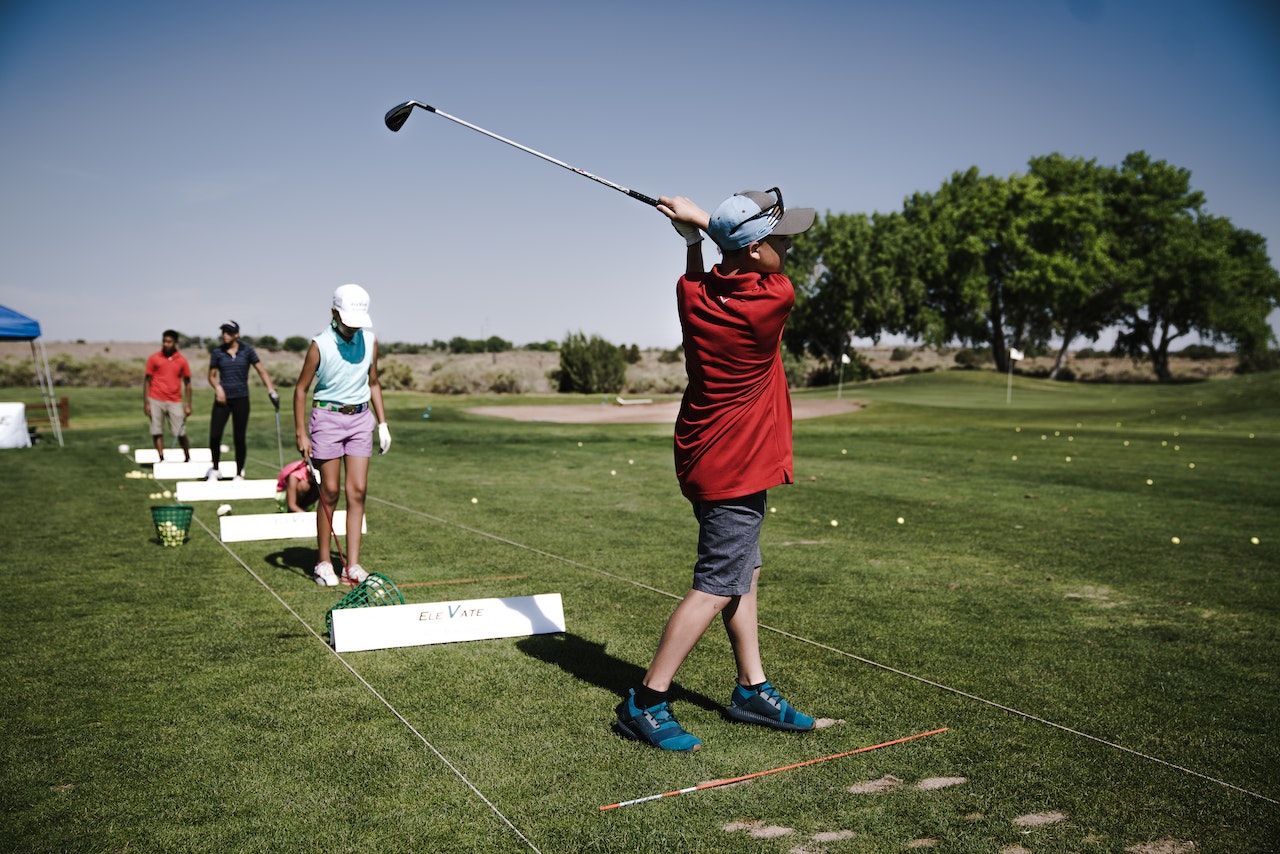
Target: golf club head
{"type": "Point", "coordinates": [397, 116]}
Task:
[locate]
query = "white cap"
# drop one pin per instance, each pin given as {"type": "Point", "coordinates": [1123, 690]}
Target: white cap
{"type": "Point", "coordinates": [352, 303]}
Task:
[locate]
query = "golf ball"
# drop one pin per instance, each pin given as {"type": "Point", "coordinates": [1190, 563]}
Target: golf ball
{"type": "Point", "coordinates": [223, 448]}
{"type": "Point", "coordinates": [124, 449]}
{"type": "Point", "coordinates": [835, 523]}
{"type": "Point", "coordinates": [1175, 541]}
{"type": "Point", "coordinates": [1015, 458]}
{"type": "Point", "coordinates": [1253, 540]}
{"type": "Point", "coordinates": [613, 472]}
{"type": "Point", "coordinates": [1150, 482]}
{"type": "Point", "coordinates": [224, 509]}
{"type": "Point", "coordinates": [475, 501]}
{"type": "Point", "coordinates": [901, 521]}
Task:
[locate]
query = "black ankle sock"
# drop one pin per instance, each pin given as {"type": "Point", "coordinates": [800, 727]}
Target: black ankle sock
{"type": "Point", "coordinates": [647, 698]}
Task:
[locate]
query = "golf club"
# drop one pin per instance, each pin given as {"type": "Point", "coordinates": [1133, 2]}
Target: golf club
{"type": "Point", "coordinates": [279, 441]}
{"type": "Point", "coordinates": [397, 116]}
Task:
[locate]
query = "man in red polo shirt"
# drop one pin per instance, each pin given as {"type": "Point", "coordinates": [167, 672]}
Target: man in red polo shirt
{"type": "Point", "coordinates": [166, 393]}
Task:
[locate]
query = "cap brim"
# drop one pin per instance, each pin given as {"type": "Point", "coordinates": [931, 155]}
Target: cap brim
{"type": "Point", "coordinates": [795, 221]}
{"type": "Point", "coordinates": [355, 319]}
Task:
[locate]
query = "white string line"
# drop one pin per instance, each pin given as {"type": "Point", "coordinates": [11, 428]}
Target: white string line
{"type": "Point", "coordinates": [372, 690]}
{"type": "Point", "coordinates": [832, 649]}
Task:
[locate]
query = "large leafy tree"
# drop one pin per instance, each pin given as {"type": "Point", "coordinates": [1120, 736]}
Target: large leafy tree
{"type": "Point", "coordinates": [855, 276]}
{"type": "Point", "coordinates": [1073, 293]}
{"type": "Point", "coordinates": [1179, 270]}
{"type": "Point", "coordinates": [979, 268]}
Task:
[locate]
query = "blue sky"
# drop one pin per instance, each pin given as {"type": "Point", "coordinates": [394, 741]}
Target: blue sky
{"type": "Point", "coordinates": [177, 164]}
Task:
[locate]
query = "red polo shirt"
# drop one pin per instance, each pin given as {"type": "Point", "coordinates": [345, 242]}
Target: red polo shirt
{"type": "Point", "coordinates": [167, 374]}
{"type": "Point", "coordinates": [733, 434]}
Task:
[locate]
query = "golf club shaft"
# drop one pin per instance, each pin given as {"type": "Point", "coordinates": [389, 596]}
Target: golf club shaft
{"type": "Point", "coordinates": [279, 441]}
{"type": "Point", "coordinates": [396, 117]}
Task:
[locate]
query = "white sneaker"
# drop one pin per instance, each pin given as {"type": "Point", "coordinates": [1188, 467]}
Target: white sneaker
{"type": "Point", "coordinates": [213, 474]}
{"type": "Point", "coordinates": [324, 574]}
{"type": "Point", "coordinates": [238, 477]}
{"type": "Point", "coordinates": [354, 574]}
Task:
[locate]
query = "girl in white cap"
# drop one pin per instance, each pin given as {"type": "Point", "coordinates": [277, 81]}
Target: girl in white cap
{"type": "Point", "coordinates": [343, 361]}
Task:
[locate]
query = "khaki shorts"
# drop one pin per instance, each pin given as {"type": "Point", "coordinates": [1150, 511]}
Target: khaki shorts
{"type": "Point", "coordinates": [170, 410]}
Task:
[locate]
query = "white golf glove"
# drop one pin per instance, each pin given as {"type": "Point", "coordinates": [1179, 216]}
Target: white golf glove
{"type": "Point", "coordinates": [384, 438]}
{"type": "Point", "coordinates": [688, 231]}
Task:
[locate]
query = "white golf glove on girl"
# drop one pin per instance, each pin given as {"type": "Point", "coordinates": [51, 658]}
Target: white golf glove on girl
{"type": "Point", "coordinates": [384, 438]}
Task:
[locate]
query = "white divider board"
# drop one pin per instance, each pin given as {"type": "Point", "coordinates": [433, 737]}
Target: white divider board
{"type": "Point", "coordinates": [387, 626]}
{"type": "Point", "coordinates": [279, 526]}
{"type": "Point", "coordinates": [191, 470]}
{"type": "Point", "coordinates": [225, 490]}
{"type": "Point", "coordinates": [147, 456]}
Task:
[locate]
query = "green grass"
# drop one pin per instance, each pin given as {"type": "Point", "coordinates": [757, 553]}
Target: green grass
{"type": "Point", "coordinates": [163, 699]}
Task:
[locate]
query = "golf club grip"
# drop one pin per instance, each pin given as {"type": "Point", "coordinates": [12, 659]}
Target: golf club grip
{"type": "Point", "coordinates": [642, 197]}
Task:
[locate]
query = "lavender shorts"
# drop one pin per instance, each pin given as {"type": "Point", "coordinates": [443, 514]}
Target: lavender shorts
{"type": "Point", "coordinates": [334, 435]}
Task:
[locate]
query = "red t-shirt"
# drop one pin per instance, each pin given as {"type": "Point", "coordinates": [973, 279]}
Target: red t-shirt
{"type": "Point", "coordinates": [167, 374]}
{"type": "Point", "coordinates": [733, 435]}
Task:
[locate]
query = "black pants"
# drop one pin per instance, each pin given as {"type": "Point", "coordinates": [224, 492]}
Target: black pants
{"type": "Point", "coordinates": [237, 409]}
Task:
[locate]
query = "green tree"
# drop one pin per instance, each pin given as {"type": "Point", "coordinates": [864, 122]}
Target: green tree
{"type": "Point", "coordinates": [1180, 270]}
{"type": "Point", "coordinates": [1072, 272]}
{"type": "Point", "coordinates": [296, 344]}
{"type": "Point", "coordinates": [591, 365]}
{"type": "Point", "coordinates": [979, 267]}
{"type": "Point", "coordinates": [268, 342]}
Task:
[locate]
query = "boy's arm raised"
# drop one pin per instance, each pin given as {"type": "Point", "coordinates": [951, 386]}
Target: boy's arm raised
{"type": "Point", "coordinates": [689, 221]}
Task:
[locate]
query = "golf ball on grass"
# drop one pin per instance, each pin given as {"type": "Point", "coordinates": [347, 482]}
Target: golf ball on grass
{"type": "Point", "coordinates": [124, 449]}
{"type": "Point", "coordinates": [835, 523]}
{"type": "Point", "coordinates": [1176, 541]}
{"type": "Point", "coordinates": [224, 509]}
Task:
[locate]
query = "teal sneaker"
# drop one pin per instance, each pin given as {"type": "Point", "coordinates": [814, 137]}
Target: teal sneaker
{"type": "Point", "coordinates": [767, 708]}
{"type": "Point", "coordinates": [655, 725]}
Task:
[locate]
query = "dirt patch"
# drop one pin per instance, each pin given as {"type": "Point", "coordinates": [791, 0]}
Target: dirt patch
{"type": "Point", "coordinates": [1163, 846]}
{"type": "Point", "coordinates": [758, 829]}
{"type": "Point", "coordinates": [940, 783]}
{"type": "Point", "coordinates": [885, 784]}
{"type": "Point", "coordinates": [663, 412]}
{"type": "Point", "coordinates": [1039, 819]}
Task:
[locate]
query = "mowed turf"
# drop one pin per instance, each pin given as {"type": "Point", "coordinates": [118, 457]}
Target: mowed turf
{"type": "Point", "coordinates": [944, 560]}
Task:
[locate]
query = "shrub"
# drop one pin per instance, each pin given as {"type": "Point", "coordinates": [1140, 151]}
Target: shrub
{"type": "Point", "coordinates": [973, 357]}
{"type": "Point", "coordinates": [1199, 352]}
{"type": "Point", "coordinates": [632, 355]}
{"type": "Point", "coordinates": [1257, 362]}
{"type": "Point", "coordinates": [394, 375]}
{"type": "Point", "coordinates": [668, 357]}
{"type": "Point", "coordinates": [268, 342]}
{"type": "Point", "coordinates": [900, 354]}
{"type": "Point", "coordinates": [590, 366]}
{"type": "Point", "coordinates": [15, 372]}
{"type": "Point", "coordinates": [296, 344]}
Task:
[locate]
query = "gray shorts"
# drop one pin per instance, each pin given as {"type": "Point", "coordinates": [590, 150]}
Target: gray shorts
{"type": "Point", "coordinates": [728, 544]}
{"type": "Point", "coordinates": [167, 410]}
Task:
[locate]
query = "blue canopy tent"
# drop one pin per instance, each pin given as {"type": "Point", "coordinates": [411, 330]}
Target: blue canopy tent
{"type": "Point", "coordinates": [15, 326]}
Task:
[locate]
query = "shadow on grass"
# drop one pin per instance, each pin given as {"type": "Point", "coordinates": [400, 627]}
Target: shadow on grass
{"type": "Point", "coordinates": [296, 559]}
{"type": "Point", "coordinates": [588, 661]}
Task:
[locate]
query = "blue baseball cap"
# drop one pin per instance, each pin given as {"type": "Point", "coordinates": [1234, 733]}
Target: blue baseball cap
{"type": "Point", "coordinates": [750, 216]}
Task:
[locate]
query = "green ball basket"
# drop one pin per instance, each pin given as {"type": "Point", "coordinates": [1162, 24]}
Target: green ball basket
{"type": "Point", "coordinates": [172, 522]}
{"type": "Point", "coordinates": [374, 590]}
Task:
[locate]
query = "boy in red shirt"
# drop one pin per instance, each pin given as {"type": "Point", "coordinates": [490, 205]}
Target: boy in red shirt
{"type": "Point", "coordinates": [732, 443]}
{"type": "Point", "coordinates": [166, 393]}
